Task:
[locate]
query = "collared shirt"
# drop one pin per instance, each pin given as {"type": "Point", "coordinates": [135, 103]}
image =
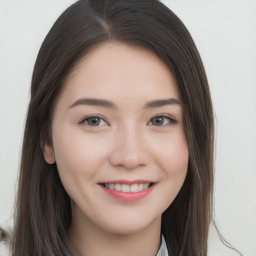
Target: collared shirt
{"type": "Point", "coordinates": [163, 248]}
{"type": "Point", "coordinates": [5, 249]}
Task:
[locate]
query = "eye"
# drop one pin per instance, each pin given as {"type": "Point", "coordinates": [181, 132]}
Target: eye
{"type": "Point", "coordinates": [162, 121]}
{"type": "Point", "coordinates": [94, 121]}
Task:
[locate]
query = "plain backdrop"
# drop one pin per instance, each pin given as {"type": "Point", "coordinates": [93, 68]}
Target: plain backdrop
{"type": "Point", "coordinates": [225, 34]}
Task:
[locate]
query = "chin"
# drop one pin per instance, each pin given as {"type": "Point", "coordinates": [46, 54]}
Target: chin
{"type": "Point", "coordinates": [131, 226]}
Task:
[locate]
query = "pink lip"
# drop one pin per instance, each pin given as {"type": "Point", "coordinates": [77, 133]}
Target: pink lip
{"type": "Point", "coordinates": [128, 196]}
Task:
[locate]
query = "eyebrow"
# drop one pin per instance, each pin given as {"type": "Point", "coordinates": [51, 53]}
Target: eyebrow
{"type": "Point", "coordinates": [161, 103]}
{"type": "Point", "coordinates": [94, 102]}
{"type": "Point", "coordinates": [110, 105]}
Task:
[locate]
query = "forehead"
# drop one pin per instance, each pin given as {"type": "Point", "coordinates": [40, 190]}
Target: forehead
{"type": "Point", "coordinates": [121, 70]}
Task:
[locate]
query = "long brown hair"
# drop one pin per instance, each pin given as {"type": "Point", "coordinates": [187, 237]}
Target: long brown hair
{"type": "Point", "coordinates": [43, 211]}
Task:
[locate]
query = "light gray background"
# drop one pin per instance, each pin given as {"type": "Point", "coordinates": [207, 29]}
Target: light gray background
{"type": "Point", "coordinates": [225, 33]}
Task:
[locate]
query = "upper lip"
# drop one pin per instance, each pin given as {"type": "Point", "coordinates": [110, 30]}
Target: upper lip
{"type": "Point", "coordinates": [130, 182]}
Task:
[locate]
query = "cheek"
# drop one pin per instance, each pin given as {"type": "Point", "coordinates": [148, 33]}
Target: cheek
{"type": "Point", "coordinates": [77, 157]}
{"type": "Point", "coordinates": [171, 154]}
{"type": "Point", "coordinates": [173, 161]}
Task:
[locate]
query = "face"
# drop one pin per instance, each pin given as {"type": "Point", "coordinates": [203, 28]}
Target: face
{"type": "Point", "coordinates": [118, 139]}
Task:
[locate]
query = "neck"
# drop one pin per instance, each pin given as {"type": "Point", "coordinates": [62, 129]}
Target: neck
{"type": "Point", "coordinates": [90, 239]}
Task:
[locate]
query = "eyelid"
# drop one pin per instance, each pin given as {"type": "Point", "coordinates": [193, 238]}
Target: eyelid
{"type": "Point", "coordinates": [93, 115]}
{"type": "Point", "coordinates": [169, 117]}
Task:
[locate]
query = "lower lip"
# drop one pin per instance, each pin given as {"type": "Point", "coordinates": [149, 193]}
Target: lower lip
{"type": "Point", "coordinates": [128, 196]}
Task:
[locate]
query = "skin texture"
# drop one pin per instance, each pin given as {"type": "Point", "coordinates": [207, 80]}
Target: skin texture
{"type": "Point", "coordinates": [126, 144]}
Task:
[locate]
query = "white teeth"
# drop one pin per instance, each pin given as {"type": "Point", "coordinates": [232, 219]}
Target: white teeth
{"type": "Point", "coordinates": [145, 186]}
{"type": "Point", "coordinates": [118, 187]}
{"type": "Point", "coordinates": [125, 188]}
{"type": "Point", "coordinates": [137, 187]}
{"type": "Point", "coordinates": [141, 187]}
{"type": "Point", "coordinates": [111, 186]}
{"type": "Point", "coordinates": [134, 188]}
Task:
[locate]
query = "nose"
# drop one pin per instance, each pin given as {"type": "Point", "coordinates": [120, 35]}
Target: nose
{"type": "Point", "coordinates": [130, 149]}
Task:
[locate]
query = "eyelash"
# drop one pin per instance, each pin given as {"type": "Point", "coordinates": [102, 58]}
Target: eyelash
{"type": "Point", "coordinates": [85, 120]}
{"type": "Point", "coordinates": [170, 120]}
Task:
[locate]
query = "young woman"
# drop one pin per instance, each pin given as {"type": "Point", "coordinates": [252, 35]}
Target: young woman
{"type": "Point", "coordinates": [117, 155]}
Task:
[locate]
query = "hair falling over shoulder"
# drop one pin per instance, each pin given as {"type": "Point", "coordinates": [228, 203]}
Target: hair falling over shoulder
{"type": "Point", "coordinates": [43, 208]}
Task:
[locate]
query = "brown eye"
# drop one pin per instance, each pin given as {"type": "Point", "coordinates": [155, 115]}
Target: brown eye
{"type": "Point", "coordinates": [161, 121]}
{"type": "Point", "coordinates": [94, 121]}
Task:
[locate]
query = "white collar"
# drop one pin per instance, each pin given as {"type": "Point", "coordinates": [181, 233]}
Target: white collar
{"type": "Point", "coordinates": [163, 248]}
{"type": "Point", "coordinates": [5, 249]}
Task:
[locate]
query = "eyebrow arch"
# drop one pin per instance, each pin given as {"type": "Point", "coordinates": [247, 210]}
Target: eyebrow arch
{"type": "Point", "coordinates": [110, 105]}
{"type": "Point", "coordinates": [161, 103]}
{"type": "Point", "coordinates": [94, 102]}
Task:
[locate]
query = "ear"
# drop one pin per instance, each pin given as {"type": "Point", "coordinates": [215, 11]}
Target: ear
{"type": "Point", "coordinates": [47, 145]}
{"type": "Point", "coordinates": [48, 152]}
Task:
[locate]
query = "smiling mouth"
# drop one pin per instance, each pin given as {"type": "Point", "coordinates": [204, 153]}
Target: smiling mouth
{"type": "Point", "coordinates": [128, 188]}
